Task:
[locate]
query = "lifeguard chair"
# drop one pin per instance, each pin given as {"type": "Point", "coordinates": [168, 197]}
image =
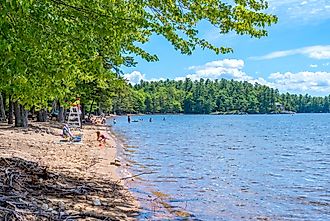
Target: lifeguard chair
{"type": "Point", "coordinates": [74, 115]}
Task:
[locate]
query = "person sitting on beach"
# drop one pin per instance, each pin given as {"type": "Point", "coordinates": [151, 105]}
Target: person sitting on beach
{"type": "Point", "coordinates": [101, 137]}
{"type": "Point", "coordinates": [93, 120]}
{"type": "Point", "coordinates": [66, 132]}
{"type": "Point", "coordinates": [88, 120]}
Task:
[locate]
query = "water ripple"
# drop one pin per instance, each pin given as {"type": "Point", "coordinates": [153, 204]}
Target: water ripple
{"type": "Point", "coordinates": [254, 167]}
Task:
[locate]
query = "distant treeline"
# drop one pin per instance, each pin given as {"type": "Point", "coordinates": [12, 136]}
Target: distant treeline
{"type": "Point", "coordinates": [218, 96]}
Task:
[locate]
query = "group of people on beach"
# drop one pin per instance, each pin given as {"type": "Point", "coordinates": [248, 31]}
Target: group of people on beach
{"type": "Point", "coordinates": [96, 120]}
{"type": "Point", "coordinates": [101, 137]}
{"type": "Point", "coordinates": [67, 134]}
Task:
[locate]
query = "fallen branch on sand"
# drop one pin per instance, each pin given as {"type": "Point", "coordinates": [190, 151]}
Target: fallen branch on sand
{"type": "Point", "coordinates": [29, 191]}
{"type": "Point", "coordinates": [139, 174]}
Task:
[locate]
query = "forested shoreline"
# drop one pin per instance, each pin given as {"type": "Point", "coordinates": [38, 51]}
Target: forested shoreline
{"type": "Point", "coordinates": [183, 96]}
{"type": "Point", "coordinates": [219, 96]}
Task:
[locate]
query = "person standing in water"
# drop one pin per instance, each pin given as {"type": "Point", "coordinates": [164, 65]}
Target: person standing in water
{"type": "Point", "coordinates": [150, 120]}
{"type": "Point", "coordinates": [129, 119]}
{"type": "Point", "coordinates": [114, 121]}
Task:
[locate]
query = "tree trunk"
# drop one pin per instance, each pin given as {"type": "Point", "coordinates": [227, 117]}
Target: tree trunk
{"type": "Point", "coordinates": [82, 115]}
{"type": "Point", "coordinates": [4, 99]}
{"type": "Point", "coordinates": [2, 108]}
{"type": "Point", "coordinates": [42, 115]}
{"type": "Point", "coordinates": [90, 109]}
{"type": "Point", "coordinates": [32, 110]}
{"type": "Point", "coordinates": [24, 114]}
{"type": "Point", "coordinates": [54, 106]}
{"type": "Point", "coordinates": [83, 111]}
{"type": "Point", "coordinates": [18, 116]}
{"type": "Point", "coordinates": [39, 116]}
{"type": "Point", "coordinates": [10, 111]}
{"type": "Point", "coordinates": [45, 115]}
{"type": "Point", "coordinates": [100, 110]}
{"type": "Point", "coordinates": [60, 116]}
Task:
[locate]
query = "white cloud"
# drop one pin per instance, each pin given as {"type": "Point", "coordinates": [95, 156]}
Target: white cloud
{"type": "Point", "coordinates": [315, 52]}
{"type": "Point", "coordinates": [313, 65]}
{"type": "Point", "coordinates": [302, 82]}
{"type": "Point", "coordinates": [135, 77]}
{"type": "Point", "coordinates": [155, 79]}
{"type": "Point", "coordinates": [227, 68]}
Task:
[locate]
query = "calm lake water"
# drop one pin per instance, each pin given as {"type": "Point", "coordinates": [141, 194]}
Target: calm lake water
{"type": "Point", "coordinates": [249, 167]}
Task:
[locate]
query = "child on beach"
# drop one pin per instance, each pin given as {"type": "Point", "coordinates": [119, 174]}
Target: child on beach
{"type": "Point", "coordinates": [101, 137]}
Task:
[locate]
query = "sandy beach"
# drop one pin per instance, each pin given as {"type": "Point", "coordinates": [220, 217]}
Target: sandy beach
{"type": "Point", "coordinates": [45, 179]}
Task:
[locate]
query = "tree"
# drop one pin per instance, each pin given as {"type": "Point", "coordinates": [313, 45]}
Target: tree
{"type": "Point", "coordinates": [47, 47]}
{"type": "Point", "coordinates": [2, 107]}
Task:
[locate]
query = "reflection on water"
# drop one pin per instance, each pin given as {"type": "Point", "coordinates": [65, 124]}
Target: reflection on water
{"type": "Point", "coordinates": [258, 167]}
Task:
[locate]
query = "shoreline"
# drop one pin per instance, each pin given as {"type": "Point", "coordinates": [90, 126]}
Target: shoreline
{"type": "Point", "coordinates": [84, 166]}
{"type": "Point", "coordinates": [154, 203]}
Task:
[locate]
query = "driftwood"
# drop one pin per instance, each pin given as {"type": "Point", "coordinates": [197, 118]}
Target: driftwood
{"type": "Point", "coordinates": [136, 175]}
{"type": "Point", "coordinates": [29, 191]}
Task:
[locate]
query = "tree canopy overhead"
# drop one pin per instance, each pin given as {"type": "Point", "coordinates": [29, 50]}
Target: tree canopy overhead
{"type": "Point", "coordinates": [50, 48]}
{"type": "Point", "coordinates": [113, 27]}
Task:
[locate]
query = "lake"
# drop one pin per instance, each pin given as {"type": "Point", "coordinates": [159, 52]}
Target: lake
{"type": "Point", "coordinates": [233, 167]}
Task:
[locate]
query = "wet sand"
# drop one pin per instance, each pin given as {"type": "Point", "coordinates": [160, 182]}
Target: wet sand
{"type": "Point", "coordinates": [86, 166]}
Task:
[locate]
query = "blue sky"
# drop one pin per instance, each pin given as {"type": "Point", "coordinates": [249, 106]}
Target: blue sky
{"type": "Point", "coordinates": [294, 58]}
